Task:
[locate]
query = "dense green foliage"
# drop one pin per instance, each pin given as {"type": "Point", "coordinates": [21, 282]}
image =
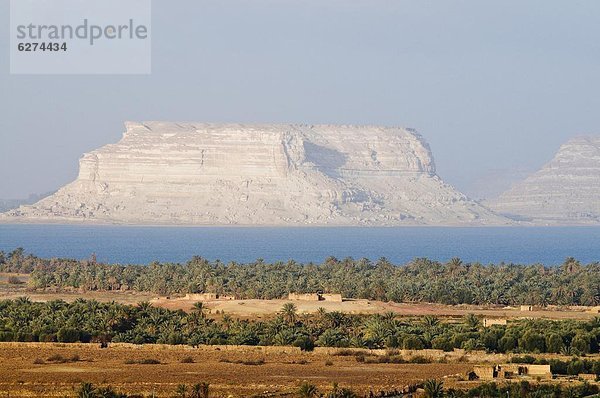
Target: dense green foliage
{"type": "Point", "coordinates": [525, 389]}
{"type": "Point", "coordinates": [572, 367]}
{"type": "Point", "coordinates": [432, 389]}
{"type": "Point", "coordinates": [88, 320]}
{"type": "Point", "coordinates": [421, 280]}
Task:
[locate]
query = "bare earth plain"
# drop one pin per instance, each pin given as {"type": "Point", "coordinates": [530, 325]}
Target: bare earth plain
{"type": "Point", "coordinates": [231, 371]}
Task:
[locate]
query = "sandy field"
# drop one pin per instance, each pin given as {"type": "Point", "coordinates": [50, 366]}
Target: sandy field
{"type": "Point", "coordinates": [257, 309]}
{"type": "Point", "coordinates": [27, 370]}
{"type": "Point", "coordinates": [261, 308]}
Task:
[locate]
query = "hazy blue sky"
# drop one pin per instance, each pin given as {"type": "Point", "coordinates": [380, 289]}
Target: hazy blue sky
{"type": "Point", "coordinates": [492, 85]}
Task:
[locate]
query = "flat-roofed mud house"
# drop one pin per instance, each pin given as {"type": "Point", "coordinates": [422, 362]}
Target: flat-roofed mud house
{"type": "Point", "coordinates": [511, 371]}
{"type": "Point", "coordinates": [315, 297]}
{"type": "Point", "coordinates": [487, 322]}
{"type": "Point", "coordinates": [207, 296]}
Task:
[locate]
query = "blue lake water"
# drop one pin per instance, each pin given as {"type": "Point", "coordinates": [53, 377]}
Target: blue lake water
{"type": "Point", "coordinates": [141, 245]}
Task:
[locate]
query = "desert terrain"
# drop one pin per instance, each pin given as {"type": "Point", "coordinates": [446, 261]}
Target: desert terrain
{"type": "Point", "coordinates": [46, 369]}
{"type": "Point", "coordinates": [257, 308]}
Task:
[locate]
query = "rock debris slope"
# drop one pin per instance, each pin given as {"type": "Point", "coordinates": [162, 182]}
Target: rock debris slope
{"type": "Point", "coordinates": [215, 174]}
{"type": "Point", "coordinates": [564, 191]}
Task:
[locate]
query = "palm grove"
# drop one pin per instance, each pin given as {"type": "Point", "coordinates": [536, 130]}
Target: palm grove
{"type": "Point", "coordinates": [89, 320]}
{"type": "Point", "coordinates": [421, 280]}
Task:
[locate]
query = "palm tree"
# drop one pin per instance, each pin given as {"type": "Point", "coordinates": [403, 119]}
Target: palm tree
{"type": "Point", "coordinates": [472, 321]}
{"type": "Point", "coordinates": [288, 311]}
{"type": "Point", "coordinates": [23, 300]}
{"type": "Point", "coordinates": [455, 265]}
{"type": "Point", "coordinates": [376, 330]}
{"type": "Point", "coordinates": [181, 390]}
{"type": "Point", "coordinates": [337, 392]}
{"type": "Point", "coordinates": [570, 392]}
{"type": "Point", "coordinates": [226, 321]}
{"type": "Point", "coordinates": [335, 318]}
{"type": "Point", "coordinates": [431, 321]}
{"type": "Point", "coordinates": [199, 308]}
{"type": "Point", "coordinates": [199, 390]}
{"type": "Point", "coordinates": [388, 316]}
{"type": "Point", "coordinates": [570, 265]}
{"type": "Point", "coordinates": [321, 312]}
{"type": "Point", "coordinates": [56, 305]}
{"type": "Point", "coordinates": [308, 390]}
{"type": "Point", "coordinates": [144, 306]}
{"type": "Point", "coordinates": [86, 390]}
{"type": "Point", "coordinates": [566, 350]}
{"type": "Point", "coordinates": [455, 261]}
{"type": "Point", "coordinates": [433, 388]}
{"type": "Point", "coordinates": [106, 392]}
{"type": "Point", "coordinates": [594, 322]}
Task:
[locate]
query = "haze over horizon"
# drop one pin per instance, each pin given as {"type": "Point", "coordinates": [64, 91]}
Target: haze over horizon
{"type": "Point", "coordinates": [494, 88]}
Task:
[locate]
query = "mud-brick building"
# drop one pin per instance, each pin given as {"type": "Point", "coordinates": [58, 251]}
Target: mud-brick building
{"type": "Point", "coordinates": [207, 297]}
{"type": "Point", "coordinates": [488, 322]}
{"type": "Point", "coordinates": [315, 297]}
{"type": "Point", "coordinates": [511, 371]}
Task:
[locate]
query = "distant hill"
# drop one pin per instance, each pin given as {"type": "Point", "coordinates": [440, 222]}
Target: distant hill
{"type": "Point", "coordinates": [564, 191]}
{"type": "Point", "coordinates": [267, 174]}
{"type": "Point", "coordinates": [9, 204]}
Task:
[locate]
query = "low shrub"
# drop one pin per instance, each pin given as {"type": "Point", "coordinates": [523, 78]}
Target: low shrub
{"type": "Point", "coordinates": [347, 353]}
{"type": "Point", "coordinates": [528, 359]}
{"type": "Point", "coordinates": [253, 363]}
{"type": "Point", "coordinates": [305, 343]}
{"type": "Point", "coordinates": [385, 359]}
{"type": "Point", "coordinates": [13, 280]}
{"type": "Point", "coordinates": [145, 361]}
{"type": "Point", "coordinates": [56, 358]}
{"type": "Point", "coordinates": [419, 359]}
{"type": "Point", "coordinates": [149, 361]}
{"type": "Point", "coordinates": [242, 362]}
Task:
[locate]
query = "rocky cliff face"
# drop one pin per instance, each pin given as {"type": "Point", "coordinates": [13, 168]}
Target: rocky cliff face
{"type": "Point", "coordinates": [564, 191]}
{"type": "Point", "coordinates": [173, 173]}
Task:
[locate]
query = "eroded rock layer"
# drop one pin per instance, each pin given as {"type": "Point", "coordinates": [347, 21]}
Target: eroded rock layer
{"type": "Point", "coordinates": [564, 191]}
{"type": "Point", "coordinates": [174, 173]}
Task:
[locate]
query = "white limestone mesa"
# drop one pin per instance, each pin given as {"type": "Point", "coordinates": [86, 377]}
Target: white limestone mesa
{"type": "Point", "coordinates": [564, 191]}
{"type": "Point", "coordinates": [259, 174]}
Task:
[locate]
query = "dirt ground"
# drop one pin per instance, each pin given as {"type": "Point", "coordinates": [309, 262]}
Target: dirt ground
{"type": "Point", "coordinates": [26, 371]}
{"type": "Point", "coordinates": [264, 308]}
{"type": "Point", "coordinates": [260, 308]}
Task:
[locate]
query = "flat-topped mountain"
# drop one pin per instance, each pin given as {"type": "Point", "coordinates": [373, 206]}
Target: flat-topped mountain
{"type": "Point", "coordinates": [564, 191]}
{"type": "Point", "coordinates": [214, 174]}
